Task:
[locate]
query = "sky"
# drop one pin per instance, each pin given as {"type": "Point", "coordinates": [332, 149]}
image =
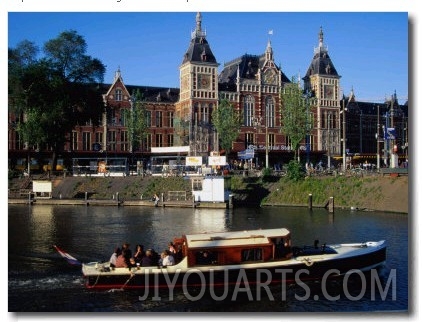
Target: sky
{"type": "Point", "coordinates": [369, 50]}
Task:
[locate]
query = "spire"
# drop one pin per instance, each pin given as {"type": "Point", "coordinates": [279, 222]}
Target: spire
{"type": "Point", "coordinates": [198, 30]}
{"type": "Point", "coordinates": [269, 51]}
{"type": "Point", "coordinates": [321, 37]}
{"type": "Point", "coordinates": [321, 49]}
{"type": "Point", "coordinates": [117, 74]}
{"type": "Point", "coordinates": [198, 22]}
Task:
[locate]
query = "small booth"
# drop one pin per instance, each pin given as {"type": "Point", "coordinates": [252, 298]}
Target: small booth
{"type": "Point", "coordinates": [42, 189]}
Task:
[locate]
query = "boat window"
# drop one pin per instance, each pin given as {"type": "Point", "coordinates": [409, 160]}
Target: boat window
{"type": "Point", "coordinates": [205, 258]}
{"type": "Point", "coordinates": [252, 254]}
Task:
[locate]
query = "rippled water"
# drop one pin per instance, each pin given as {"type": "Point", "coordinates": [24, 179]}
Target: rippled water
{"type": "Point", "coordinates": [40, 280]}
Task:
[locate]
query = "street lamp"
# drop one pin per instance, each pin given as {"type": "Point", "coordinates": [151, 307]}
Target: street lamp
{"type": "Point", "coordinates": [344, 134]}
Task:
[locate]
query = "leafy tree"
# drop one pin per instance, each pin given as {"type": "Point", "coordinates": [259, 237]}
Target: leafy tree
{"type": "Point", "coordinates": [227, 123]}
{"type": "Point", "coordinates": [56, 92]}
{"type": "Point", "coordinates": [137, 121]}
{"type": "Point", "coordinates": [295, 115]}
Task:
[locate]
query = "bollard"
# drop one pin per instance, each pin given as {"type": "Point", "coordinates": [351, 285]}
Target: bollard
{"type": "Point", "coordinates": [310, 201]}
{"type": "Point", "coordinates": [331, 205]}
{"type": "Point", "coordinates": [117, 197]}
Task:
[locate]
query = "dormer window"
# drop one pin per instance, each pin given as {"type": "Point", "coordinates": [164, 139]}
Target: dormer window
{"type": "Point", "coordinates": [118, 94]}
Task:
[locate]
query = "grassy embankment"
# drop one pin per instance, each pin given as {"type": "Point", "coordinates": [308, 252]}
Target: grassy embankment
{"type": "Point", "coordinates": [372, 192]}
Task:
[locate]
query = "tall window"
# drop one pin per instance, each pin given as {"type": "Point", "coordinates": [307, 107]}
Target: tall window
{"type": "Point", "coordinates": [249, 140]}
{"type": "Point", "coordinates": [170, 121]}
{"type": "Point", "coordinates": [170, 139]}
{"type": "Point", "coordinates": [159, 119]}
{"type": "Point", "coordinates": [74, 146]}
{"type": "Point", "coordinates": [148, 116]}
{"type": "Point", "coordinates": [86, 141]}
{"type": "Point", "coordinates": [99, 138]}
{"type": "Point", "coordinates": [118, 94]}
{"type": "Point", "coordinates": [124, 138]}
{"type": "Point", "coordinates": [248, 109]}
{"type": "Point", "coordinates": [158, 140]}
{"type": "Point", "coordinates": [269, 112]}
{"type": "Point", "coordinates": [271, 140]}
{"type": "Point", "coordinates": [112, 141]}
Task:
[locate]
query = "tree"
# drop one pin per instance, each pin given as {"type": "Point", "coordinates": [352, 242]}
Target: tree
{"type": "Point", "coordinates": [227, 122]}
{"type": "Point", "coordinates": [295, 115]}
{"type": "Point", "coordinates": [137, 121]}
{"type": "Point", "coordinates": [56, 92]}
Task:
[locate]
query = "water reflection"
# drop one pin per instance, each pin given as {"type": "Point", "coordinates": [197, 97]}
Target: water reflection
{"type": "Point", "coordinates": [91, 233]}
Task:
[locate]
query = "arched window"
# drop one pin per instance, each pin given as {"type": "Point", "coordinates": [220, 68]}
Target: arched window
{"type": "Point", "coordinates": [248, 109]}
{"type": "Point", "coordinates": [269, 112]}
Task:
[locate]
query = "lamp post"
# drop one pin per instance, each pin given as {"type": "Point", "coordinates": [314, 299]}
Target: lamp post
{"type": "Point", "coordinates": [344, 137]}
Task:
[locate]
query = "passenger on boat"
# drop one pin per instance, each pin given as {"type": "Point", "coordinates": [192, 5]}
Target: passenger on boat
{"type": "Point", "coordinates": [147, 260]}
{"type": "Point", "coordinates": [121, 261]}
{"type": "Point", "coordinates": [113, 257]}
{"type": "Point", "coordinates": [204, 258]}
{"type": "Point", "coordinates": [172, 249]}
{"type": "Point", "coordinates": [127, 253]}
{"type": "Point", "coordinates": [139, 253]}
{"type": "Point", "coordinates": [167, 258]}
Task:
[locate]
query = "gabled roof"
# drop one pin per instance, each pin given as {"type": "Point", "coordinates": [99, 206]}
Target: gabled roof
{"type": "Point", "coordinates": [248, 65]}
{"type": "Point", "coordinates": [321, 62]}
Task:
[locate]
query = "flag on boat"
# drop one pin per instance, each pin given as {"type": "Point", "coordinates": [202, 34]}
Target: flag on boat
{"type": "Point", "coordinates": [70, 259]}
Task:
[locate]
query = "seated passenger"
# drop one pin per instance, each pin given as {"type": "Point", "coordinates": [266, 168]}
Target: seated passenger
{"type": "Point", "coordinates": [121, 261]}
{"type": "Point", "coordinates": [204, 258]}
{"type": "Point", "coordinates": [139, 253]}
{"type": "Point", "coordinates": [168, 259]}
{"type": "Point", "coordinates": [147, 259]}
{"type": "Point", "coordinates": [113, 257]}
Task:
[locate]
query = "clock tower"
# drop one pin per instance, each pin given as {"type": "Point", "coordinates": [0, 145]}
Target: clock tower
{"type": "Point", "coordinates": [198, 94]}
{"type": "Point", "coordinates": [323, 81]}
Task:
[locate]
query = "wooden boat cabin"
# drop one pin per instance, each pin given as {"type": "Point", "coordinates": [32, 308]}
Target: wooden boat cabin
{"type": "Point", "coordinates": [234, 248]}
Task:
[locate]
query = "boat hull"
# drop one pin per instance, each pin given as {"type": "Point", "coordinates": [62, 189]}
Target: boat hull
{"type": "Point", "coordinates": [298, 269]}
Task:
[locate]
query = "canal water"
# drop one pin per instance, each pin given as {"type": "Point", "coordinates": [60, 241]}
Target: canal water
{"type": "Point", "coordinates": [39, 280]}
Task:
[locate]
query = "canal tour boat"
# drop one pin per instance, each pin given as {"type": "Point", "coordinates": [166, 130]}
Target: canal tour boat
{"type": "Point", "coordinates": [248, 258]}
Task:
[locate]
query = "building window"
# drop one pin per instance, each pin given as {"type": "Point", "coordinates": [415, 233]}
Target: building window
{"type": "Point", "coordinates": [159, 119]}
{"type": "Point", "coordinates": [205, 114]}
{"type": "Point", "coordinates": [249, 140]}
{"type": "Point", "coordinates": [170, 140]}
{"type": "Point", "coordinates": [271, 140]}
{"type": "Point", "coordinates": [99, 138]}
{"type": "Point", "coordinates": [158, 140]}
{"type": "Point", "coordinates": [269, 111]}
{"type": "Point", "coordinates": [74, 146]}
{"type": "Point", "coordinates": [118, 94]}
{"type": "Point", "coordinates": [112, 140]}
{"type": "Point", "coordinates": [170, 121]}
{"type": "Point", "coordinates": [148, 117]}
{"type": "Point", "coordinates": [86, 141]}
{"type": "Point", "coordinates": [124, 138]}
{"type": "Point", "coordinates": [248, 109]}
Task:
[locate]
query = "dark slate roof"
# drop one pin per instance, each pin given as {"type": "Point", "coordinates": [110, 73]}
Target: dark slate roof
{"type": "Point", "coordinates": [248, 69]}
{"type": "Point", "coordinates": [199, 51]}
{"type": "Point", "coordinates": [152, 93]}
{"type": "Point", "coordinates": [321, 64]}
{"type": "Point", "coordinates": [370, 108]}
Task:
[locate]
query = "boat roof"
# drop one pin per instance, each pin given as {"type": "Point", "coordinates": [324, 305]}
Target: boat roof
{"type": "Point", "coordinates": [234, 238]}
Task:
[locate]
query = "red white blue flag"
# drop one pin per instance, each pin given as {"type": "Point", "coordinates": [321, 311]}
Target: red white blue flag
{"type": "Point", "coordinates": [70, 259]}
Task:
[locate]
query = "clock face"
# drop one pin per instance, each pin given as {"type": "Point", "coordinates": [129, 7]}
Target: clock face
{"type": "Point", "coordinates": [270, 77]}
{"type": "Point", "coordinates": [203, 81]}
{"type": "Point", "coordinates": [329, 92]}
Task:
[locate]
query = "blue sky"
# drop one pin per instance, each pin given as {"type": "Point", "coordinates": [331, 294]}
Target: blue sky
{"type": "Point", "coordinates": [370, 50]}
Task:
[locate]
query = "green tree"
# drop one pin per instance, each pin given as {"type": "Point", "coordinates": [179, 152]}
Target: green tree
{"type": "Point", "coordinates": [137, 121]}
{"type": "Point", "coordinates": [295, 118]}
{"type": "Point", "coordinates": [227, 122]}
{"type": "Point", "coordinates": [56, 92]}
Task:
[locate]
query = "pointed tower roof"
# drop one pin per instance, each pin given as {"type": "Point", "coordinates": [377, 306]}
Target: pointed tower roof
{"type": "Point", "coordinates": [199, 50]}
{"type": "Point", "coordinates": [321, 62]}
